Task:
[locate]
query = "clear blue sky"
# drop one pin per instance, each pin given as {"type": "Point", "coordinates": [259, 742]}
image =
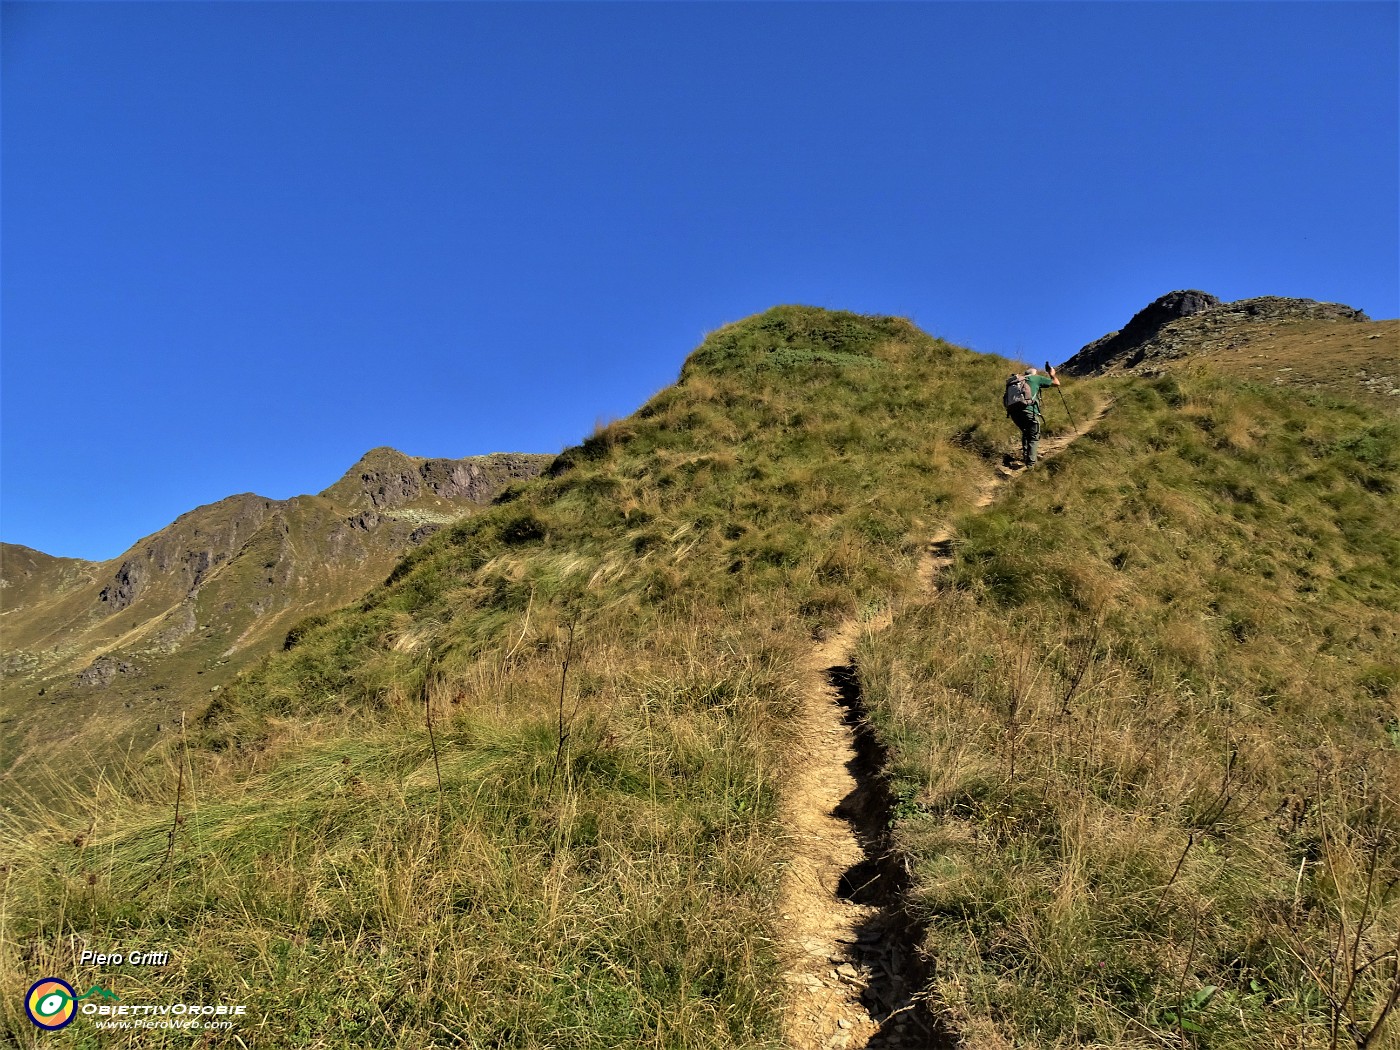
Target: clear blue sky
{"type": "Point", "coordinates": [244, 243]}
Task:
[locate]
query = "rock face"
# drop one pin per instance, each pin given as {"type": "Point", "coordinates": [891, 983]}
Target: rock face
{"type": "Point", "coordinates": [385, 478]}
{"type": "Point", "coordinates": [452, 479]}
{"type": "Point", "coordinates": [1192, 320]}
{"type": "Point", "coordinates": [123, 588]}
{"type": "Point", "coordinates": [1146, 323]}
{"type": "Point", "coordinates": [183, 554]}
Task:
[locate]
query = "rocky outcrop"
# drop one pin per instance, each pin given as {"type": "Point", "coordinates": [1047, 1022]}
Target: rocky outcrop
{"type": "Point", "coordinates": [157, 630]}
{"type": "Point", "coordinates": [123, 588]}
{"type": "Point", "coordinates": [1117, 346]}
{"type": "Point", "coordinates": [178, 626]}
{"type": "Point", "coordinates": [1277, 308]}
{"type": "Point", "coordinates": [104, 670]}
{"type": "Point", "coordinates": [453, 479]}
{"type": "Point", "coordinates": [385, 479]}
{"type": "Point", "coordinates": [1186, 321]}
{"type": "Point", "coordinates": [182, 555]}
{"type": "Point", "coordinates": [392, 490]}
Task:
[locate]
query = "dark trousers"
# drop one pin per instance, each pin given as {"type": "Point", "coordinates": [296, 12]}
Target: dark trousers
{"type": "Point", "coordinates": [1027, 421]}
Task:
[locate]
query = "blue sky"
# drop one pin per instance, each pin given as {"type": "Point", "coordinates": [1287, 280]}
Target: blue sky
{"type": "Point", "coordinates": [243, 243]}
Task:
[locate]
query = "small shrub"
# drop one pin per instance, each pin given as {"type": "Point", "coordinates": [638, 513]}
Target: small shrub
{"type": "Point", "coordinates": [526, 527]}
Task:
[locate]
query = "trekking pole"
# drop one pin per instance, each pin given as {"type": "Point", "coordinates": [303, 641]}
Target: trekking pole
{"type": "Point", "coordinates": [1064, 399]}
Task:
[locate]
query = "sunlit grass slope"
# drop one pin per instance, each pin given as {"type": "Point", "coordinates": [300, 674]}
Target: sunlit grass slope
{"type": "Point", "coordinates": [525, 794]}
{"type": "Point", "coordinates": [1145, 741]}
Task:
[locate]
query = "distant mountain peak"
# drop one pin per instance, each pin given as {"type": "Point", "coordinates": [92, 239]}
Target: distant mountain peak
{"type": "Point", "coordinates": [183, 609]}
{"type": "Point", "coordinates": [1174, 324]}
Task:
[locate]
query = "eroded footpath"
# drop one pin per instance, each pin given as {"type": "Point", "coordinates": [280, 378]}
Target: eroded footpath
{"type": "Point", "coordinates": [854, 965]}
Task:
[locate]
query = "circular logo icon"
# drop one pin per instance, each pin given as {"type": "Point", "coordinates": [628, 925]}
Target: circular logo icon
{"type": "Point", "coordinates": [51, 1003]}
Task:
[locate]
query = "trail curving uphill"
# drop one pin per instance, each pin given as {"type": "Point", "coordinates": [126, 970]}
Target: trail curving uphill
{"type": "Point", "coordinates": [853, 962]}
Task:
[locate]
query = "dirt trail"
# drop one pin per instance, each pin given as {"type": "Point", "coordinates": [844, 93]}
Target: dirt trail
{"type": "Point", "coordinates": [854, 965]}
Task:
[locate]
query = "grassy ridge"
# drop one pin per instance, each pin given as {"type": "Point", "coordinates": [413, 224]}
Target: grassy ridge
{"type": "Point", "coordinates": [526, 793]}
{"type": "Point", "coordinates": [1145, 740]}
{"type": "Point", "coordinates": [607, 660]}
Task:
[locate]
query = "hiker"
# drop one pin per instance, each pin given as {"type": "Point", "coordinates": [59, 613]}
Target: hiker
{"type": "Point", "coordinates": [1023, 406]}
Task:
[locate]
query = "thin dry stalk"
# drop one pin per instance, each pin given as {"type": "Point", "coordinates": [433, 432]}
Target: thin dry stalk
{"type": "Point", "coordinates": [563, 723]}
{"type": "Point", "coordinates": [1181, 860]}
{"type": "Point", "coordinates": [177, 819]}
{"type": "Point", "coordinates": [1087, 650]}
{"type": "Point", "coordinates": [1213, 815]}
{"type": "Point", "coordinates": [432, 740]}
{"type": "Point", "coordinates": [1024, 673]}
{"type": "Point", "coordinates": [1181, 982]}
{"type": "Point", "coordinates": [1391, 999]}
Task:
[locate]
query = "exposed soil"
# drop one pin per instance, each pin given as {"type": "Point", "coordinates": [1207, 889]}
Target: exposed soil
{"type": "Point", "coordinates": [855, 964]}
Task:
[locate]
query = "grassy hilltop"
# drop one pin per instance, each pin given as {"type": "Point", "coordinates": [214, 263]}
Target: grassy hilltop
{"type": "Point", "coordinates": [1142, 739]}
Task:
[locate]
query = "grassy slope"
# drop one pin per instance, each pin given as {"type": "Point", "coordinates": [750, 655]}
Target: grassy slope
{"type": "Point", "coordinates": [594, 872]}
{"type": "Point", "coordinates": [1357, 361]}
{"type": "Point", "coordinates": [1146, 740]}
{"type": "Point", "coordinates": [29, 575]}
{"type": "Point", "coordinates": [600, 872]}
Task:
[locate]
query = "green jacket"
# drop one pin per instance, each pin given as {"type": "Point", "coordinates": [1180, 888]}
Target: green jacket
{"type": "Point", "coordinates": [1037, 383]}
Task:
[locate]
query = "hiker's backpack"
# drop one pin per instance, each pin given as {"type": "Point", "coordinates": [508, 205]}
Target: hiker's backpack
{"type": "Point", "coordinates": [1018, 392]}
